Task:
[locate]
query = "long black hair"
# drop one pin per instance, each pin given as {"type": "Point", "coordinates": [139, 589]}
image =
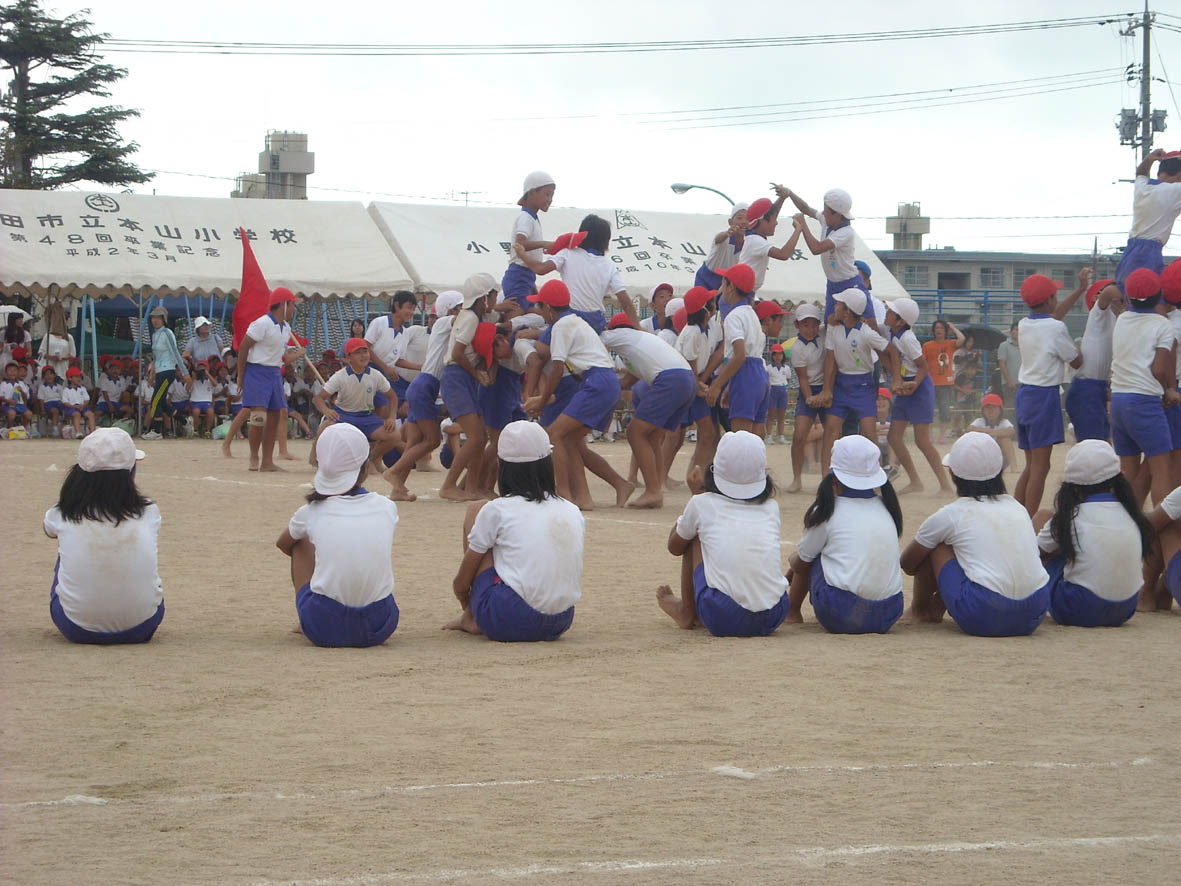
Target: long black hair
{"type": "Point", "coordinates": [314, 496]}
{"type": "Point", "coordinates": [101, 495]}
{"type": "Point", "coordinates": [979, 488]}
{"type": "Point", "coordinates": [710, 485]}
{"type": "Point", "coordinates": [532, 480]}
{"type": "Point", "coordinates": [826, 501]}
{"type": "Point", "coordinates": [598, 233]}
{"type": "Point", "coordinates": [700, 318]}
{"type": "Point", "coordinates": [1071, 495]}
{"type": "Point", "coordinates": [12, 334]}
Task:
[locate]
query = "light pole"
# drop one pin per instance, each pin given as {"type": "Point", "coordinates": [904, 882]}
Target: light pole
{"type": "Point", "coordinates": [681, 187]}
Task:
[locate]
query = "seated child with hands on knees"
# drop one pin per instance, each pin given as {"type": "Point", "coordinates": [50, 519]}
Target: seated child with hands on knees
{"type": "Point", "coordinates": [1000, 429]}
{"type": "Point", "coordinates": [728, 541]}
{"type": "Point", "coordinates": [1094, 540]}
{"type": "Point", "coordinates": [340, 544]}
{"type": "Point", "coordinates": [978, 556]}
{"type": "Point", "coordinates": [521, 572]}
{"type": "Point", "coordinates": [106, 585]}
{"type": "Point", "coordinates": [848, 556]}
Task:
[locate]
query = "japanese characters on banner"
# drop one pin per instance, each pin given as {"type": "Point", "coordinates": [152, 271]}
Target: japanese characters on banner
{"type": "Point", "coordinates": [104, 242]}
{"type": "Point", "coordinates": [441, 245]}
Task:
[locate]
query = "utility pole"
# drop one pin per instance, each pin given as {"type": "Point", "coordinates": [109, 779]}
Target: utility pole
{"type": "Point", "coordinates": [1144, 119]}
{"type": "Point", "coordinates": [1146, 86]}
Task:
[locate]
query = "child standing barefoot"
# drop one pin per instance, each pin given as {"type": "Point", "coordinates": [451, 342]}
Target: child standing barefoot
{"type": "Point", "coordinates": [728, 541]}
{"type": "Point", "coordinates": [807, 359]}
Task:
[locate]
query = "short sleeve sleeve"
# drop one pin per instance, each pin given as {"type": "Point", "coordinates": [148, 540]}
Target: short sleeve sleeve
{"type": "Point", "coordinates": [733, 327]}
{"type": "Point", "coordinates": [561, 335]}
{"type": "Point", "coordinates": [380, 381]}
{"type": "Point", "coordinates": [812, 542]}
{"type": "Point", "coordinates": [842, 237]}
{"type": "Point", "coordinates": [483, 534]}
{"type": "Point", "coordinates": [615, 281]}
{"type": "Point", "coordinates": [978, 423]}
{"type": "Point", "coordinates": [373, 333]}
{"type": "Point", "coordinates": [559, 259]}
{"type": "Point", "coordinates": [1045, 540]}
{"type": "Point", "coordinates": [464, 328]}
{"type": "Point", "coordinates": [689, 523]}
{"type": "Point", "coordinates": [936, 529]}
{"type": "Point", "coordinates": [1166, 336]}
{"type": "Point", "coordinates": [1066, 347]}
{"type": "Point", "coordinates": [875, 338]}
{"type": "Point", "coordinates": [909, 346]}
{"type": "Point", "coordinates": [297, 527]}
{"type": "Point", "coordinates": [798, 358]}
{"type": "Point", "coordinates": [830, 342]}
{"type": "Point", "coordinates": [332, 386]}
{"type": "Point", "coordinates": [1172, 504]}
{"type": "Point", "coordinates": [521, 226]}
{"type": "Point", "coordinates": [53, 521]}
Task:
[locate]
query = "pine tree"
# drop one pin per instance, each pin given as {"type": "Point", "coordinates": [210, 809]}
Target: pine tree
{"type": "Point", "coordinates": [41, 146]}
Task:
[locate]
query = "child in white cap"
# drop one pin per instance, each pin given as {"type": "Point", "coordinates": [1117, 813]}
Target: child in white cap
{"type": "Point", "coordinates": [977, 558]}
{"type": "Point", "coordinates": [1094, 540]}
{"type": "Point", "coordinates": [807, 359]}
{"type": "Point", "coordinates": [728, 541]}
{"type": "Point", "coordinates": [106, 584]}
{"type": "Point", "coordinates": [521, 572]}
{"type": "Point", "coordinates": [836, 244]}
{"type": "Point", "coordinates": [519, 281]}
{"type": "Point", "coordinates": [340, 544]}
{"type": "Point", "coordinates": [848, 556]}
{"type": "Point", "coordinates": [726, 248]}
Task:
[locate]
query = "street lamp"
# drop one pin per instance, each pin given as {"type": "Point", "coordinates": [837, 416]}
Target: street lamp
{"type": "Point", "coordinates": [681, 187]}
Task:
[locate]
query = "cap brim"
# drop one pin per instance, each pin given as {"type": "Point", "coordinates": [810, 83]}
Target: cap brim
{"type": "Point", "coordinates": [334, 483]}
{"type": "Point", "coordinates": [139, 454]}
{"type": "Point", "coordinates": [739, 490]}
{"type": "Point", "coordinates": [853, 481]}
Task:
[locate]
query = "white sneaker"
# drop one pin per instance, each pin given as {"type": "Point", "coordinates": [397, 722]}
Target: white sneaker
{"type": "Point", "coordinates": [151, 435]}
{"type": "Point", "coordinates": [782, 439]}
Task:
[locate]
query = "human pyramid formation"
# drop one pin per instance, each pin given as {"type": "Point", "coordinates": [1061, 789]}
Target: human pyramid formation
{"type": "Point", "coordinates": [502, 356]}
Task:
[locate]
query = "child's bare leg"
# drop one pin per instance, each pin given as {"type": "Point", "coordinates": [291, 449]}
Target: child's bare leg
{"type": "Point", "coordinates": [303, 562]}
{"type": "Point", "coordinates": [832, 430]}
{"type": "Point", "coordinates": [897, 440]}
{"type": "Point", "coordinates": [643, 438]}
{"type": "Point", "coordinates": [1159, 476]}
{"type": "Point", "coordinates": [281, 435]}
{"type": "Point", "coordinates": [742, 424]}
{"type": "Point", "coordinates": [922, 439]}
{"type": "Point", "coordinates": [602, 469]}
{"type": "Point", "coordinates": [491, 466]}
{"type": "Point", "coordinates": [270, 434]}
{"type": "Point", "coordinates": [576, 467]}
{"type": "Point", "coordinates": [422, 438]}
{"type": "Point", "coordinates": [799, 442]}
{"type": "Point", "coordinates": [1153, 595]}
{"type": "Point", "coordinates": [707, 441]}
{"type": "Point", "coordinates": [800, 574]}
{"type": "Point", "coordinates": [1032, 484]}
{"type": "Point", "coordinates": [684, 610]}
{"type": "Point", "coordinates": [254, 435]}
{"type": "Point", "coordinates": [925, 603]}
{"type": "Point", "coordinates": [235, 428]}
{"type": "Point", "coordinates": [469, 456]}
{"type": "Point", "coordinates": [669, 448]}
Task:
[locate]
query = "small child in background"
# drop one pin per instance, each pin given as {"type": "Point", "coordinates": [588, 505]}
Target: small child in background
{"type": "Point", "coordinates": [807, 360]}
{"type": "Point", "coordinates": [220, 383]}
{"type": "Point", "coordinates": [49, 394]}
{"type": "Point", "coordinates": [76, 403]}
{"type": "Point", "coordinates": [201, 400]}
{"type": "Point", "coordinates": [777, 373]}
{"type": "Point", "coordinates": [178, 406]}
{"type": "Point", "coordinates": [1000, 429]}
{"type": "Point", "coordinates": [14, 396]}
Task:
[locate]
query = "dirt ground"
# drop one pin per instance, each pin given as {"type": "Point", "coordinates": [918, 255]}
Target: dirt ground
{"type": "Point", "coordinates": [230, 750]}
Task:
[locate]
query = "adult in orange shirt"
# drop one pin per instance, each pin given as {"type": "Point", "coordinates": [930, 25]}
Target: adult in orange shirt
{"type": "Point", "coordinates": [940, 356]}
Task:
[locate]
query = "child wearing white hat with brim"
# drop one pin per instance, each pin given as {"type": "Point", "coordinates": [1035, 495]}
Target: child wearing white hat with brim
{"type": "Point", "coordinates": [848, 556]}
{"type": "Point", "coordinates": [521, 572]}
{"type": "Point", "coordinates": [340, 544]}
{"type": "Point", "coordinates": [106, 584]}
{"type": "Point", "coordinates": [728, 541]}
{"type": "Point", "coordinates": [977, 558]}
{"type": "Point", "coordinates": [1094, 540]}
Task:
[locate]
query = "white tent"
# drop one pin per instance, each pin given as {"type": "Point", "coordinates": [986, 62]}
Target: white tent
{"type": "Point", "coordinates": [100, 244]}
{"type": "Point", "coordinates": [442, 245]}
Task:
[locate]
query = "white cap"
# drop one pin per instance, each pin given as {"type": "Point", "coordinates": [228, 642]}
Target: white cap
{"type": "Point", "coordinates": [806, 312]}
{"type": "Point", "coordinates": [740, 465]}
{"type": "Point", "coordinates": [523, 441]}
{"type": "Point", "coordinates": [108, 449]}
{"type": "Point", "coordinates": [201, 321]}
{"type": "Point", "coordinates": [856, 462]}
{"type": "Point", "coordinates": [854, 298]}
{"type": "Point", "coordinates": [653, 290]}
{"type": "Point", "coordinates": [478, 285]}
{"type": "Point", "coordinates": [534, 180]}
{"type": "Point", "coordinates": [674, 305]}
{"type": "Point", "coordinates": [1090, 462]}
{"type": "Point", "coordinates": [906, 308]}
{"type": "Point", "coordinates": [839, 201]}
{"type": "Point", "coordinates": [737, 208]}
{"type": "Point", "coordinates": [447, 301]}
{"type": "Point", "coordinates": [341, 449]}
{"type": "Point", "coordinates": [975, 456]}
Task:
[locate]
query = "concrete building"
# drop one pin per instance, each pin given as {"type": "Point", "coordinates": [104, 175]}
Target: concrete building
{"type": "Point", "coordinates": [283, 169]}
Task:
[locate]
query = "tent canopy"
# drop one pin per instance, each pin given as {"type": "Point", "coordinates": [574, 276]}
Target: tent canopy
{"type": "Point", "coordinates": [103, 245]}
{"type": "Point", "coordinates": [440, 246]}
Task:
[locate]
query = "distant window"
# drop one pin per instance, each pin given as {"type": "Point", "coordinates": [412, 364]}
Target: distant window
{"type": "Point", "coordinates": [1064, 275]}
{"type": "Point", "coordinates": [1019, 275]}
{"type": "Point", "coordinates": [915, 275]}
{"type": "Point", "coordinates": [992, 278]}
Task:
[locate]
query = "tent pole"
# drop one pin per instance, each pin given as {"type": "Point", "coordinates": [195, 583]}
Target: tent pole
{"type": "Point", "coordinates": [82, 332]}
{"type": "Point", "coordinates": [94, 341]}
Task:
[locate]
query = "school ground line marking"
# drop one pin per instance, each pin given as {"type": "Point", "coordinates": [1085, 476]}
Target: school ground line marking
{"type": "Point", "coordinates": [726, 770]}
{"type": "Point", "coordinates": [808, 856]}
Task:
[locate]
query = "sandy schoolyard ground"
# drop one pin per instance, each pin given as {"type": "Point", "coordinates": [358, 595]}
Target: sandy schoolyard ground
{"type": "Point", "coordinates": [229, 750]}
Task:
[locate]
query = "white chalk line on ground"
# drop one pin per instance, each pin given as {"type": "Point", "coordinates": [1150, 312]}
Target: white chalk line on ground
{"type": "Point", "coordinates": [809, 856]}
{"type": "Point", "coordinates": [724, 770]}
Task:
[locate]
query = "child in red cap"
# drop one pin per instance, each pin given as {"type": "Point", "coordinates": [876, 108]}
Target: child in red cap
{"type": "Point", "coordinates": [743, 341]}
{"type": "Point", "coordinates": [1000, 429]}
{"type": "Point", "coordinates": [762, 217]}
{"type": "Point", "coordinates": [75, 400]}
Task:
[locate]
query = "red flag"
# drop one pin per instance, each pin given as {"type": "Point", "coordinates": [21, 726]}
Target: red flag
{"type": "Point", "coordinates": [254, 297]}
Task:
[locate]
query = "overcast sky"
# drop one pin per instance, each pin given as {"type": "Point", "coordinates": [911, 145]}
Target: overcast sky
{"type": "Point", "coordinates": [423, 128]}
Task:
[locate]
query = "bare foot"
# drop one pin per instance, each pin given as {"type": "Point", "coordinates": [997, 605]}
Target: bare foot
{"type": "Point", "coordinates": [623, 493]}
{"type": "Point", "coordinates": [946, 489]}
{"type": "Point", "coordinates": [465, 621]}
{"type": "Point", "coordinates": [225, 449]}
{"type": "Point", "coordinates": [921, 616]}
{"type": "Point", "coordinates": [427, 465]}
{"type": "Point", "coordinates": [648, 500]}
{"type": "Point", "coordinates": [794, 618]}
{"type": "Point", "coordinates": [795, 486]}
{"type": "Point", "coordinates": [671, 604]}
{"type": "Point", "coordinates": [254, 462]}
{"type": "Point", "coordinates": [585, 504]}
{"type": "Point", "coordinates": [288, 456]}
{"type": "Point", "coordinates": [454, 494]}
{"type": "Point", "coordinates": [400, 492]}
{"type": "Point", "coordinates": [487, 494]}
{"type": "Point", "coordinates": [911, 489]}
{"type": "Point", "coordinates": [671, 483]}
{"type": "Point", "coordinates": [271, 468]}
{"type": "Point", "coordinates": [297, 629]}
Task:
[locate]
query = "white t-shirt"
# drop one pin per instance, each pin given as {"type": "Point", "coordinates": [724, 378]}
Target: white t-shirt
{"type": "Point", "coordinates": [57, 351]}
{"type": "Point", "coordinates": [739, 547]}
{"type": "Point", "coordinates": [15, 391]}
{"type": "Point", "coordinates": [909, 350]}
{"type": "Point", "coordinates": [177, 392]}
{"type": "Point", "coordinates": [463, 330]}
{"type": "Point", "coordinates": [1046, 347]}
{"type": "Point", "coordinates": [809, 356]}
{"type": "Point", "coordinates": [693, 345]}
{"type": "Point", "coordinates": [573, 342]}
{"type": "Point", "coordinates": [202, 390]}
{"type": "Point", "coordinates": [838, 261]}
{"type": "Point", "coordinates": [1174, 318]}
{"type": "Point", "coordinates": [1172, 504]}
{"type": "Point", "coordinates": [536, 548]}
{"type": "Point", "coordinates": [742, 324]}
{"type": "Point", "coordinates": [777, 375]}
{"type": "Point", "coordinates": [270, 341]}
{"type": "Point", "coordinates": [527, 225]}
{"type": "Point", "coordinates": [78, 396]}
{"type": "Point", "coordinates": [518, 357]}
{"type": "Point", "coordinates": [1134, 344]}
{"type": "Point", "coordinates": [590, 278]}
{"type": "Point", "coordinates": [114, 387]}
{"type": "Point", "coordinates": [645, 356]}
{"type": "Point", "coordinates": [853, 348]}
{"type": "Point", "coordinates": [47, 393]}
{"type": "Point", "coordinates": [107, 577]}
{"type": "Point", "coordinates": [1097, 344]}
{"type": "Point", "coordinates": [438, 344]}
{"type": "Point", "coordinates": [354, 539]}
{"type": "Point", "coordinates": [411, 346]}
{"type": "Point", "coordinates": [6, 349]}
{"type": "Point", "coordinates": [382, 338]}
{"type": "Point", "coordinates": [668, 337]}
{"type": "Point", "coordinates": [756, 252]}
{"type": "Point", "coordinates": [1000, 425]}
{"type": "Point", "coordinates": [722, 255]}
{"type": "Point", "coordinates": [353, 392]}
{"type": "Point", "coordinates": [1107, 550]}
{"type": "Point", "coordinates": [1154, 209]}
{"type": "Point", "coordinates": [994, 543]}
{"type": "Point", "coordinates": [858, 548]}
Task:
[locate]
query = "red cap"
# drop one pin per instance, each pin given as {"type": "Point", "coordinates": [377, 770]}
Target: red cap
{"type": "Point", "coordinates": [742, 276]}
{"type": "Point", "coordinates": [72, 372]}
{"type": "Point", "coordinates": [281, 294]}
{"type": "Point", "coordinates": [75, 361]}
{"type": "Point", "coordinates": [1093, 293]}
{"type": "Point", "coordinates": [204, 363]}
{"type": "Point", "coordinates": [885, 392]}
{"type": "Point", "coordinates": [482, 341]}
{"type": "Point", "coordinates": [20, 353]}
{"type": "Point", "coordinates": [553, 293]}
{"type": "Point", "coordinates": [1038, 288]}
{"type": "Point", "coordinates": [328, 354]}
{"type": "Point", "coordinates": [680, 318]}
{"type": "Point", "coordinates": [697, 298]}
{"type": "Point", "coordinates": [992, 400]}
{"type": "Point", "coordinates": [1170, 282]}
{"type": "Point", "coordinates": [48, 368]}
{"type": "Point", "coordinates": [620, 320]}
{"type": "Point", "coordinates": [765, 309]}
{"type": "Point", "coordinates": [354, 344]}
{"type": "Point", "coordinates": [1169, 155]}
{"type": "Point", "coordinates": [566, 241]}
{"type": "Point", "coordinates": [756, 211]}
{"type": "Point", "coordinates": [1141, 284]}
{"type": "Point", "coordinates": [777, 349]}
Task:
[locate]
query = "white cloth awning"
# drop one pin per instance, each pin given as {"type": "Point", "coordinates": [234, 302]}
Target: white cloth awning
{"type": "Point", "coordinates": [440, 246]}
{"type": "Point", "coordinates": [113, 244]}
